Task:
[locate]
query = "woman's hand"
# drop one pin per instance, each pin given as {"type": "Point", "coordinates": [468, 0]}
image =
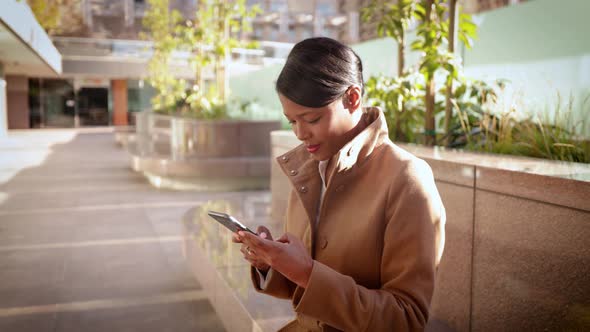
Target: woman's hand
{"type": "Point", "coordinates": [287, 255]}
{"type": "Point", "coordinates": [249, 255]}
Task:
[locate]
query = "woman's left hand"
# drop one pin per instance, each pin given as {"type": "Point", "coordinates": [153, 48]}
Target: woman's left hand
{"type": "Point", "coordinates": [287, 255]}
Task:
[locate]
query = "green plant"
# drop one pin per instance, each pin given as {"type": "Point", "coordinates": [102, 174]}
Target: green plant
{"type": "Point", "coordinates": [401, 99]}
{"type": "Point", "coordinates": [393, 21]}
{"type": "Point", "coordinates": [473, 119]}
{"type": "Point", "coordinates": [208, 38]}
{"type": "Point", "coordinates": [58, 17]}
{"type": "Point", "coordinates": [160, 23]}
{"type": "Point", "coordinates": [429, 41]}
{"type": "Point", "coordinates": [433, 32]}
{"type": "Point", "coordinates": [557, 136]}
{"type": "Point", "coordinates": [467, 31]}
{"type": "Point", "coordinates": [472, 101]}
{"type": "Point", "coordinates": [554, 135]}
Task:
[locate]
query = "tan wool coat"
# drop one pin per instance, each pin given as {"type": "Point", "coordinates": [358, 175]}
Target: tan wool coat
{"type": "Point", "coordinates": [378, 240]}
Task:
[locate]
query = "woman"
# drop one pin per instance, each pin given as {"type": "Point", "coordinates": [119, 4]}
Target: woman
{"type": "Point", "coordinates": [364, 226]}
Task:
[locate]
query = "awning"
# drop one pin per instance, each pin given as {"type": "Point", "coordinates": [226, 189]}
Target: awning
{"type": "Point", "coordinates": [25, 48]}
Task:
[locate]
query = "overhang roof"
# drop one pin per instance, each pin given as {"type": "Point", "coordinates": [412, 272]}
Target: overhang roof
{"type": "Point", "coordinates": [25, 48]}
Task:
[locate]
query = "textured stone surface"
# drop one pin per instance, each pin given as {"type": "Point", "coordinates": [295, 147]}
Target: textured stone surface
{"type": "Point", "coordinates": [531, 266]}
{"type": "Point", "coordinates": [552, 190]}
{"type": "Point", "coordinates": [451, 303]}
{"type": "Point", "coordinates": [451, 172]}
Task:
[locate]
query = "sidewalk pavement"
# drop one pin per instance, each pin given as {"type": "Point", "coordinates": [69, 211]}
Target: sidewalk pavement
{"type": "Point", "coordinates": [86, 244]}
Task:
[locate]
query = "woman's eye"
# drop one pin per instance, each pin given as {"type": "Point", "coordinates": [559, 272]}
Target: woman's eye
{"type": "Point", "coordinates": [314, 121]}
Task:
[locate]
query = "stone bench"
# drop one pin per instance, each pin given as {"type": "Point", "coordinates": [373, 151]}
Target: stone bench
{"type": "Point", "coordinates": [218, 265]}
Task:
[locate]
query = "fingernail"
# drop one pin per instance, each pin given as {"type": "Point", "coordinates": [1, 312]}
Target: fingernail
{"type": "Point", "coordinates": [263, 235]}
{"type": "Point", "coordinates": [241, 233]}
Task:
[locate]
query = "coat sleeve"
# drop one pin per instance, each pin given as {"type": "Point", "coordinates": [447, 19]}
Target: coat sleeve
{"type": "Point", "coordinates": [415, 219]}
{"type": "Point", "coordinates": [275, 283]}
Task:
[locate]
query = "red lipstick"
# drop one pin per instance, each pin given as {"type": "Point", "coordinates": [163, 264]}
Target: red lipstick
{"type": "Point", "coordinates": [312, 148]}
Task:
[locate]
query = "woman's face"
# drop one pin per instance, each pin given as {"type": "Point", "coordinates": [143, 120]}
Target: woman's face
{"type": "Point", "coordinates": [324, 130]}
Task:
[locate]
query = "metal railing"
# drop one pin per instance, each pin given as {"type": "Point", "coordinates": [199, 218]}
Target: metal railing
{"type": "Point", "coordinates": [139, 49]}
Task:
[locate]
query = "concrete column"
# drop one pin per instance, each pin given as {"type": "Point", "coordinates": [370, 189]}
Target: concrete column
{"type": "Point", "coordinates": [17, 101]}
{"type": "Point", "coordinates": [283, 25]}
{"type": "Point", "coordinates": [353, 29]}
{"type": "Point", "coordinates": [129, 7]}
{"type": "Point", "coordinates": [3, 107]}
{"type": "Point", "coordinates": [120, 104]}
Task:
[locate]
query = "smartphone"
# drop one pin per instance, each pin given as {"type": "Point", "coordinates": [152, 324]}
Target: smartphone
{"type": "Point", "coordinates": [230, 222]}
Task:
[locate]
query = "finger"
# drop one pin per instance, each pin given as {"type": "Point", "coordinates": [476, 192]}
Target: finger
{"type": "Point", "coordinates": [264, 232]}
{"type": "Point", "coordinates": [235, 238]}
{"type": "Point", "coordinates": [285, 238]}
{"type": "Point", "coordinates": [247, 251]}
{"type": "Point", "coordinates": [254, 241]}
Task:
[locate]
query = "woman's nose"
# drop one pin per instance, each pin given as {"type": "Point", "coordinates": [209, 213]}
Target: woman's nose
{"type": "Point", "coordinates": [301, 132]}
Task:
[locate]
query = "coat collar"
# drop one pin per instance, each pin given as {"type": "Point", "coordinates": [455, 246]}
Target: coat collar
{"type": "Point", "coordinates": [302, 169]}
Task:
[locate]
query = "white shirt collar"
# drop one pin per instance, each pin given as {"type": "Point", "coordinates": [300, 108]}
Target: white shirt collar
{"type": "Point", "coordinates": [322, 166]}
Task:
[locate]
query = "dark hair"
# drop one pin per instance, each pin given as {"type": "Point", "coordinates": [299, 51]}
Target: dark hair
{"type": "Point", "coordinates": [318, 71]}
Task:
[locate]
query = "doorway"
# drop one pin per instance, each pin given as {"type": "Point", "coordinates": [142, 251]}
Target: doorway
{"type": "Point", "coordinates": [93, 106]}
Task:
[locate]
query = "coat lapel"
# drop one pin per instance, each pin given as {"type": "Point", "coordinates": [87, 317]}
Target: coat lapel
{"type": "Point", "coordinates": [302, 171]}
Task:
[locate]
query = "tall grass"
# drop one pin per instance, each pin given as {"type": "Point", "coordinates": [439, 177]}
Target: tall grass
{"type": "Point", "coordinates": [555, 135]}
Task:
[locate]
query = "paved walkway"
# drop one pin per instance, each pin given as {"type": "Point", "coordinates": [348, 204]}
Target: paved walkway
{"type": "Point", "coordinates": [87, 245]}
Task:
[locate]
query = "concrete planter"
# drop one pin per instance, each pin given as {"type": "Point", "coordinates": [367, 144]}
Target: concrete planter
{"type": "Point", "coordinates": [184, 153]}
{"type": "Point", "coordinates": [517, 252]}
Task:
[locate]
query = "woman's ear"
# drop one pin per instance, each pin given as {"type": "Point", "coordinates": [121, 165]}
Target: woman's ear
{"type": "Point", "coordinates": [353, 98]}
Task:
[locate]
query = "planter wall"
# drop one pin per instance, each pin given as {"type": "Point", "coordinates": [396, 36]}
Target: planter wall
{"type": "Point", "coordinates": [221, 270]}
{"type": "Point", "coordinates": [184, 153]}
{"type": "Point", "coordinates": [517, 253]}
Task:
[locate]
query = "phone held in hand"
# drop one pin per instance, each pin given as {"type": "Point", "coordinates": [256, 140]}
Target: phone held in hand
{"type": "Point", "coordinates": [230, 222]}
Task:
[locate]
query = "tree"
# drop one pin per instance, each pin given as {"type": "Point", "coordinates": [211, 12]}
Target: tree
{"type": "Point", "coordinates": [161, 24]}
{"type": "Point", "coordinates": [219, 24]}
{"type": "Point", "coordinates": [430, 38]}
{"type": "Point", "coordinates": [467, 31]}
{"type": "Point", "coordinates": [208, 36]}
{"type": "Point", "coordinates": [433, 33]}
{"type": "Point", "coordinates": [451, 40]}
{"type": "Point", "coordinates": [394, 21]}
{"type": "Point", "coordinates": [59, 17]}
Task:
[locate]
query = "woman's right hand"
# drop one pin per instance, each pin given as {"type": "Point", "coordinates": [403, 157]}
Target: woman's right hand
{"type": "Point", "coordinates": [250, 255]}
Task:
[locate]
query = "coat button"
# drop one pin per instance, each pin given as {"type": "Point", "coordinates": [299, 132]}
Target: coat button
{"type": "Point", "coordinates": [303, 189]}
{"type": "Point", "coordinates": [284, 159]}
{"type": "Point", "coordinates": [324, 243]}
{"type": "Point", "coordinates": [293, 172]}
